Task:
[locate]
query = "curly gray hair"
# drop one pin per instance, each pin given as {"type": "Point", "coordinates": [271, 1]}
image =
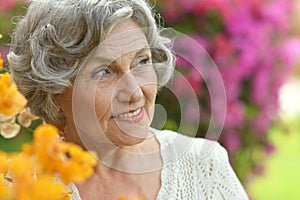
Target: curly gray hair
{"type": "Point", "coordinates": [53, 38]}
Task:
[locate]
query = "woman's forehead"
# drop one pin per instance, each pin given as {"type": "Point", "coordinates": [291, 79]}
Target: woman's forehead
{"type": "Point", "coordinates": [124, 38]}
{"type": "Point", "coordinates": [124, 26]}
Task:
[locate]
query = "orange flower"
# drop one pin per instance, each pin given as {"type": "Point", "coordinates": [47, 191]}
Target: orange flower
{"type": "Point", "coordinates": [4, 163]}
{"type": "Point", "coordinates": [55, 156]}
{"type": "Point", "coordinates": [5, 191]}
{"type": "Point", "coordinates": [5, 83]}
{"type": "Point", "coordinates": [42, 187]}
{"type": "Point", "coordinates": [30, 181]}
{"type": "Point", "coordinates": [78, 165]}
{"type": "Point", "coordinates": [11, 100]}
{"type": "Point", "coordinates": [22, 167]}
{"type": "Point", "coordinates": [1, 61]}
{"type": "Point", "coordinates": [34, 171]}
{"type": "Point", "coordinates": [45, 137]}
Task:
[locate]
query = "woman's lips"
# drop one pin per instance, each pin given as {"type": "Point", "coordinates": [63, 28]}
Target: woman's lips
{"type": "Point", "coordinates": [132, 116]}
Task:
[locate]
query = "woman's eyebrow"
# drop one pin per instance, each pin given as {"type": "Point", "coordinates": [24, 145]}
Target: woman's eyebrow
{"type": "Point", "coordinates": [142, 50]}
{"type": "Point", "coordinates": [112, 60]}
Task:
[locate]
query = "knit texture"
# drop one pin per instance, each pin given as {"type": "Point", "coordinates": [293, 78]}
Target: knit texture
{"type": "Point", "coordinates": [193, 169]}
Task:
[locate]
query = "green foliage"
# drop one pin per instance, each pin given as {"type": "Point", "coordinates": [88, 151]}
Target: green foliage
{"type": "Point", "coordinates": [7, 19]}
{"type": "Point", "coordinates": [15, 144]}
{"type": "Point", "coordinates": [282, 169]}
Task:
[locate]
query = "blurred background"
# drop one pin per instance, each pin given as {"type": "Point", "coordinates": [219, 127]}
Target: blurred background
{"type": "Point", "coordinates": [256, 47]}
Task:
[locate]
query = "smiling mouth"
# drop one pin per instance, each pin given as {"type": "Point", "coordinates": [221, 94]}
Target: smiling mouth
{"type": "Point", "coordinates": [130, 114]}
{"type": "Point", "coordinates": [134, 116]}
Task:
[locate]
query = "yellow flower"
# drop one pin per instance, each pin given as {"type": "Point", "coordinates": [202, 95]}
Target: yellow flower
{"type": "Point", "coordinates": [1, 60]}
{"type": "Point", "coordinates": [8, 126]}
{"type": "Point", "coordinates": [78, 164]}
{"type": "Point", "coordinates": [35, 171]}
{"type": "Point", "coordinates": [11, 100]}
{"type": "Point", "coordinates": [9, 130]}
{"type": "Point", "coordinates": [31, 183]}
{"type": "Point", "coordinates": [41, 187]}
{"type": "Point", "coordinates": [5, 190]}
{"type": "Point", "coordinates": [45, 139]}
{"type": "Point", "coordinates": [5, 83]}
{"type": "Point", "coordinates": [55, 156]}
{"type": "Point", "coordinates": [25, 117]}
{"type": "Point", "coordinates": [4, 164]}
{"type": "Point", "coordinates": [22, 167]}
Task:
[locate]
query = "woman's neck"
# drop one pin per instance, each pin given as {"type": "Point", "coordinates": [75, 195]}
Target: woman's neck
{"type": "Point", "coordinates": [143, 157]}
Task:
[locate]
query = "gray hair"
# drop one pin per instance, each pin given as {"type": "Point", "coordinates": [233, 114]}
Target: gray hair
{"type": "Point", "coordinates": [53, 38]}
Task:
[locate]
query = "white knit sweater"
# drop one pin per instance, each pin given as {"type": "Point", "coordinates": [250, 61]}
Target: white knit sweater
{"type": "Point", "coordinates": [193, 169]}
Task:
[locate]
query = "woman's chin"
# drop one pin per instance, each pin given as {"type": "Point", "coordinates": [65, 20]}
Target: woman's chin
{"type": "Point", "coordinates": [128, 141]}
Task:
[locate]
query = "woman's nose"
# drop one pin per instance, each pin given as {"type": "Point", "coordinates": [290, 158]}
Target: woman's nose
{"type": "Point", "coordinates": [128, 89]}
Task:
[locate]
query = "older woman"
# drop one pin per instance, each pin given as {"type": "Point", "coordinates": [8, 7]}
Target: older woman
{"type": "Point", "coordinates": [93, 68]}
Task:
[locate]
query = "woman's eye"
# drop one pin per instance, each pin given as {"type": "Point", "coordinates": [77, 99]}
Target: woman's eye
{"type": "Point", "coordinates": [101, 72]}
{"type": "Point", "coordinates": [144, 61]}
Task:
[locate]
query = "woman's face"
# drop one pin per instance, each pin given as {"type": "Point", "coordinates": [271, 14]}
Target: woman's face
{"type": "Point", "coordinates": [114, 93]}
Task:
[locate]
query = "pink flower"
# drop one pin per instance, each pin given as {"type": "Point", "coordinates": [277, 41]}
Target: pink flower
{"type": "Point", "coordinates": [261, 86]}
{"type": "Point", "coordinates": [197, 7]}
{"type": "Point", "coordinates": [181, 86]}
{"type": "Point", "coordinates": [290, 51]}
{"type": "Point", "coordinates": [270, 148]}
{"type": "Point", "coordinates": [261, 124]}
{"type": "Point", "coordinates": [171, 10]}
{"type": "Point", "coordinates": [195, 81]}
{"type": "Point", "coordinates": [276, 12]}
{"type": "Point", "coordinates": [235, 115]}
{"type": "Point", "coordinates": [232, 83]}
{"type": "Point", "coordinates": [231, 140]}
{"type": "Point", "coordinates": [240, 21]}
{"type": "Point", "coordinates": [224, 53]}
{"type": "Point", "coordinates": [4, 51]}
{"type": "Point", "coordinates": [251, 44]}
{"type": "Point", "coordinates": [8, 4]}
{"type": "Point", "coordinates": [265, 116]}
{"type": "Point", "coordinates": [181, 62]}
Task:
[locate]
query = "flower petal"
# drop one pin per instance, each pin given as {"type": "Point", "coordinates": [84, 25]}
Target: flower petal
{"type": "Point", "coordinates": [9, 130]}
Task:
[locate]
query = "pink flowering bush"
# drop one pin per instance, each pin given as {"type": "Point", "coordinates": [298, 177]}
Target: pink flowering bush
{"type": "Point", "coordinates": [8, 10]}
{"type": "Point", "coordinates": [6, 5]}
{"type": "Point", "coordinates": [251, 43]}
{"type": "Point", "coordinates": [255, 52]}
